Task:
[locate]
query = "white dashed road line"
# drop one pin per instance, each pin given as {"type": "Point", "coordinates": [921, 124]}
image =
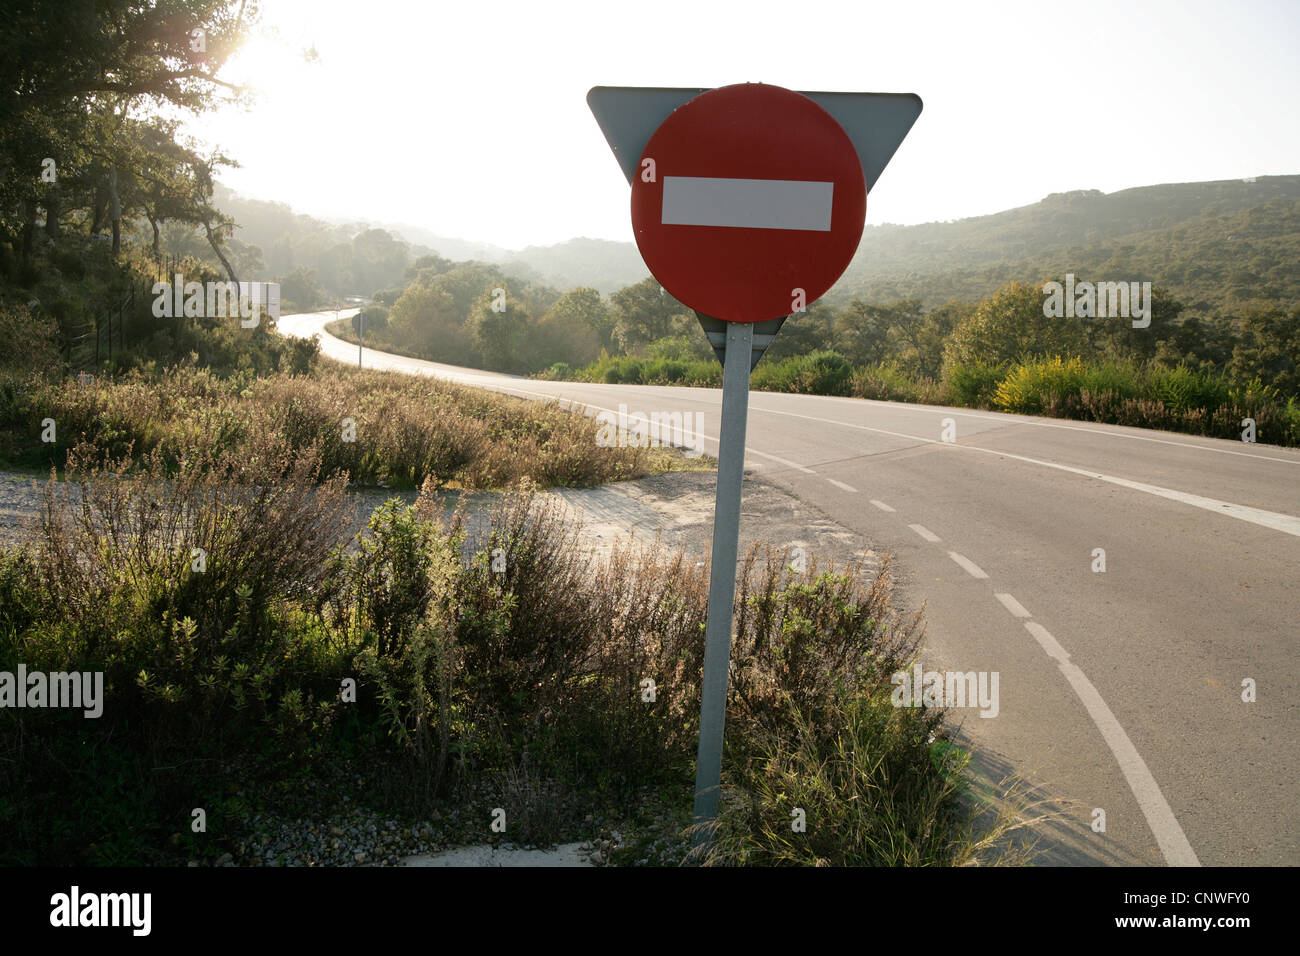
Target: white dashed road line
{"type": "Point", "coordinates": [842, 486]}
{"type": "Point", "coordinates": [969, 566]}
{"type": "Point", "coordinates": [881, 505]}
{"type": "Point", "coordinates": [1159, 815]}
{"type": "Point", "coordinates": [1011, 604]}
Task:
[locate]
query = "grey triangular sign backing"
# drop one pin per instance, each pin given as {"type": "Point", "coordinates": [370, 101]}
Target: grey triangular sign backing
{"type": "Point", "coordinates": [876, 123]}
{"type": "Point", "coordinates": [764, 333]}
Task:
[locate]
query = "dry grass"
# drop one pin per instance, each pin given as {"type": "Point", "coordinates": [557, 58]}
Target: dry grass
{"type": "Point", "coordinates": [379, 427]}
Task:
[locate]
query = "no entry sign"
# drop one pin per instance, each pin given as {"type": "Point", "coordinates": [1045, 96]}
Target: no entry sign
{"type": "Point", "coordinates": [749, 202]}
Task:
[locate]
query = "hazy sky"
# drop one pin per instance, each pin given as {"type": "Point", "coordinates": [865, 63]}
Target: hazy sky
{"type": "Point", "coordinates": [469, 118]}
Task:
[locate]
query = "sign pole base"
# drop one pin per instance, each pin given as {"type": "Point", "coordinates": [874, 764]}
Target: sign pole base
{"type": "Point", "coordinates": [722, 581]}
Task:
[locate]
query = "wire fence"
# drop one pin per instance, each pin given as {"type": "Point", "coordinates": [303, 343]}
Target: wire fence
{"type": "Point", "coordinates": [86, 346]}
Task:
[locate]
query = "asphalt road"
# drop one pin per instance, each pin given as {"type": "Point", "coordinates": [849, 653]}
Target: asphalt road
{"type": "Point", "coordinates": [1119, 691]}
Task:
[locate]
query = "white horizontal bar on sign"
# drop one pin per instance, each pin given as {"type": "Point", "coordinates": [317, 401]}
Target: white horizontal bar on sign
{"type": "Point", "coordinates": [747, 203]}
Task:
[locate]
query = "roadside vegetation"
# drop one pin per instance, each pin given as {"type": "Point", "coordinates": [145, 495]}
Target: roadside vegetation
{"type": "Point", "coordinates": [1002, 354]}
{"type": "Point", "coordinates": [1116, 392]}
{"type": "Point", "coordinates": [494, 667]}
{"type": "Point", "coordinates": [263, 662]}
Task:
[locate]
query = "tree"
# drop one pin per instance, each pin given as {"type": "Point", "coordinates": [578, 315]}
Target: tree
{"type": "Point", "coordinates": [804, 333]}
{"type": "Point", "coordinates": [644, 313]}
{"type": "Point", "coordinates": [58, 51]}
{"type": "Point", "coordinates": [1115, 337]}
{"type": "Point", "coordinates": [574, 330]}
{"type": "Point", "coordinates": [921, 338]}
{"type": "Point", "coordinates": [379, 259]}
{"type": "Point", "coordinates": [371, 319]}
{"type": "Point", "coordinates": [862, 331]}
{"type": "Point", "coordinates": [1197, 342]}
{"type": "Point", "coordinates": [466, 283]}
{"type": "Point", "coordinates": [65, 65]}
{"type": "Point", "coordinates": [160, 183]}
{"type": "Point", "coordinates": [425, 319]}
{"type": "Point", "coordinates": [299, 287]}
{"type": "Point", "coordinates": [217, 226]}
{"type": "Point", "coordinates": [1010, 325]}
{"type": "Point", "coordinates": [1269, 348]}
{"type": "Point", "coordinates": [426, 267]}
{"type": "Point", "coordinates": [502, 332]}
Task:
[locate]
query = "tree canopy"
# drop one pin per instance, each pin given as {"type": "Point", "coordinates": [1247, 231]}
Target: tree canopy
{"type": "Point", "coordinates": [82, 87]}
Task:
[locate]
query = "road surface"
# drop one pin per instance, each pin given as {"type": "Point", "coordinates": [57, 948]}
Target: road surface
{"type": "Point", "coordinates": [1119, 690]}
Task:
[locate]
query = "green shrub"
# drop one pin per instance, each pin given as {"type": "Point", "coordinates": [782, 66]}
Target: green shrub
{"type": "Point", "coordinates": [206, 656]}
{"type": "Point", "coordinates": [974, 385]}
{"type": "Point", "coordinates": [31, 341]}
{"type": "Point", "coordinates": [1290, 431]}
{"type": "Point", "coordinates": [1121, 379]}
{"type": "Point", "coordinates": [872, 785]}
{"type": "Point", "coordinates": [818, 373]}
{"type": "Point", "coordinates": [1181, 389]}
{"type": "Point", "coordinates": [680, 348]}
{"type": "Point", "coordinates": [670, 370]}
{"type": "Point", "coordinates": [889, 383]}
{"type": "Point", "coordinates": [488, 656]}
{"type": "Point", "coordinates": [393, 577]}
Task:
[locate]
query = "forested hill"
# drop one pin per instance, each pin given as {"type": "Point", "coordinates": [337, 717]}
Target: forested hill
{"type": "Point", "coordinates": [1211, 244]}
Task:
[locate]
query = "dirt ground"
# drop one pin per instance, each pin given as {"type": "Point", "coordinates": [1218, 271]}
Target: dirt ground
{"type": "Point", "coordinates": [678, 506]}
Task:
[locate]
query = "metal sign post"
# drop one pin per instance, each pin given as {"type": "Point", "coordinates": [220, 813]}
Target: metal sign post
{"type": "Point", "coordinates": [722, 578]}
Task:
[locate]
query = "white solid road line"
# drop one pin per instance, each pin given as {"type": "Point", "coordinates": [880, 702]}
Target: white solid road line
{"type": "Point", "coordinates": [970, 567]}
{"type": "Point", "coordinates": [1160, 817]}
{"type": "Point", "coordinates": [1007, 418]}
{"type": "Point", "coordinates": [924, 532]}
{"type": "Point", "coordinates": [881, 505]}
{"type": "Point", "coordinates": [842, 486]}
{"type": "Point", "coordinates": [1011, 604]}
{"type": "Point", "coordinates": [1288, 524]}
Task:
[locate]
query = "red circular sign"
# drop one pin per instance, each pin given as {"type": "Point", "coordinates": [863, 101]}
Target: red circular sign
{"type": "Point", "coordinates": [745, 197]}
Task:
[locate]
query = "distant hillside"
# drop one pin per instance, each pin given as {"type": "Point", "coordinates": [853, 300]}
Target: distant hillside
{"type": "Point", "coordinates": [458, 250]}
{"type": "Point", "coordinates": [600, 263]}
{"type": "Point", "coordinates": [1211, 244]}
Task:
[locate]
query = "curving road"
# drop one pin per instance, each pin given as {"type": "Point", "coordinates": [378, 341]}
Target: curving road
{"type": "Point", "coordinates": [1119, 690]}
